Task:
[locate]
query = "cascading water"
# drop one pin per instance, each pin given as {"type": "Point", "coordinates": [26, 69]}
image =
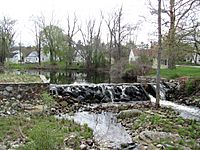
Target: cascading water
{"type": "Point", "coordinates": [188, 112]}
{"type": "Point", "coordinates": [95, 93]}
{"type": "Point", "coordinates": [107, 132]}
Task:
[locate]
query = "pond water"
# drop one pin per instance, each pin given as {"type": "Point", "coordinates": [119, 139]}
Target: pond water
{"type": "Point", "coordinates": [71, 76]}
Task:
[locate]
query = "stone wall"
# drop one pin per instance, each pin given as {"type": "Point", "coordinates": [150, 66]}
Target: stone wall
{"type": "Point", "coordinates": [25, 91]}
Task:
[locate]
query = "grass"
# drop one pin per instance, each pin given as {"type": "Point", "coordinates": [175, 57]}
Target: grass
{"type": "Point", "coordinates": [45, 65]}
{"type": "Point", "coordinates": [19, 78]}
{"type": "Point", "coordinates": [42, 132]}
{"type": "Point", "coordinates": [188, 130]}
{"type": "Point", "coordinates": [47, 99]}
{"type": "Point", "coordinates": [178, 72]}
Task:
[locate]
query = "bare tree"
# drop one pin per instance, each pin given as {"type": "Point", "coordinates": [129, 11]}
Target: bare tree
{"type": "Point", "coordinates": [37, 32]}
{"type": "Point", "coordinates": [118, 31]}
{"type": "Point", "coordinates": [111, 24]}
{"type": "Point", "coordinates": [177, 18]}
{"type": "Point", "coordinates": [91, 40]}
{"type": "Point", "coordinates": [72, 30]}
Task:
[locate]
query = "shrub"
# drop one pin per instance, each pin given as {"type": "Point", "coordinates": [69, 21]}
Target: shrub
{"type": "Point", "coordinates": [192, 85]}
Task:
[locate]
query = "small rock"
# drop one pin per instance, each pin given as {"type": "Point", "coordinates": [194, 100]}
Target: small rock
{"type": "Point", "coordinates": [9, 88]}
{"type": "Point", "coordinates": [5, 93]}
{"type": "Point", "coordinates": [83, 147]}
{"type": "Point", "coordinates": [19, 96]}
{"type": "Point", "coordinates": [90, 142]}
{"type": "Point", "coordinates": [159, 146]}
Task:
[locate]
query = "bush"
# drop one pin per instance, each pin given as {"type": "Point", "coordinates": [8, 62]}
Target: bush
{"type": "Point", "coordinates": [136, 68]}
{"type": "Point", "coordinates": [192, 85]}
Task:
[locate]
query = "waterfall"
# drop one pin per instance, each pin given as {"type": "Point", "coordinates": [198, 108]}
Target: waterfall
{"type": "Point", "coordinates": [102, 92]}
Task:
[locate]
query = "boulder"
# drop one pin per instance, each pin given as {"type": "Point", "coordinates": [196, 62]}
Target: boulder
{"type": "Point", "coordinates": [129, 113]}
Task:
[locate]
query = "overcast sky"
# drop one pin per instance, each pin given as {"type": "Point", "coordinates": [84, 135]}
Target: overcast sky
{"type": "Point", "coordinates": [22, 10]}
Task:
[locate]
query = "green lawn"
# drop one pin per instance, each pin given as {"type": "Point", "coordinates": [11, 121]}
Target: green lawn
{"type": "Point", "coordinates": [178, 72]}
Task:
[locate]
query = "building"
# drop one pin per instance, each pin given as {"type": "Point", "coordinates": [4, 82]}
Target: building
{"type": "Point", "coordinates": [151, 54]}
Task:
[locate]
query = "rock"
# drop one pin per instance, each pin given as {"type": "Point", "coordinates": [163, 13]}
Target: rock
{"type": "Point", "coordinates": [89, 142]}
{"type": "Point", "coordinates": [83, 147]}
{"type": "Point", "coordinates": [9, 88]}
{"type": "Point", "coordinates": [67, 148]}
{"type": "Point", "coordinates": [149, 137]}
{"type": "Point", "coordinates": [70, 140]}
{"type": "Point", "coordinates": [129, 113]}
{"type": "Point", "coordinates": [63, 104]}
{"type": "Point", "coordinates": [19, 96]}
{"type": "Point", "coordinates": [160, 146]}
{"type": "Point", "coordinates": [2, 147]}
{"type": "Point", "coordinates": [5, 93]}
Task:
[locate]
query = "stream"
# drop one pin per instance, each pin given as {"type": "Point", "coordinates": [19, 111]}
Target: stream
{"type": "Point", "coordinates": [187, 112]}
{"type": "Point", "coordinates": [107, 132]}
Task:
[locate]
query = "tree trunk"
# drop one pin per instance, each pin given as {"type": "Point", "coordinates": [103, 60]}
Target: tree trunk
{"type": "Point", "coordinates": [159, 56]}
{"type": "Point", "coordinates": [171, 37]}
{"type": "Point", "coordinates": [39, 51]}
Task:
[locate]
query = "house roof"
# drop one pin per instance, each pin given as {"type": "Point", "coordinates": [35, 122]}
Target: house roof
{"type": "Point", "coordinates": [11, 55]}
{"type": "Point", "coordinates": [147, 52]}
{"type": "Point", "coordinates": [25, 50]}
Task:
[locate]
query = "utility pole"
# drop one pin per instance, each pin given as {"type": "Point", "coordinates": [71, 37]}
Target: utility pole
{"type": "Point", "coordinates": [159, 56]}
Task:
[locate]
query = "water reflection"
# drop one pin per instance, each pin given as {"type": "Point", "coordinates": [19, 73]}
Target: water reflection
{"type": "Point", "coordinates": [69, 76]}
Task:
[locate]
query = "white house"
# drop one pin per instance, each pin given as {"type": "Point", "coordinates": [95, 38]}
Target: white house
{"type": "Point", "coordinates": [131, 57]}
{"type": "Point", "coordinates": [150, 53]}
{"type": "Point", "coordinates": [14, 57]}
{"type": "Point", "coordinates": [192, 57]}
{"type": "Point", "coordinates": [78, 57]}
{"type": "Point", "coordinates": [33, 57]}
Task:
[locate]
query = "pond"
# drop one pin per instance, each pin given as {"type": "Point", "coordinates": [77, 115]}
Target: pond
{"type": "Point", "coordinates": [71, 76]}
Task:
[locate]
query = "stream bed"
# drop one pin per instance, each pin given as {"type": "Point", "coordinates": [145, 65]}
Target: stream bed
{"type": "Point", "coordinates": [107, 132]}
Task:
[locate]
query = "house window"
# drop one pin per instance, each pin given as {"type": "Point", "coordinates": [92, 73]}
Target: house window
{"type": "Point", "coordinates": [165, 62]}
